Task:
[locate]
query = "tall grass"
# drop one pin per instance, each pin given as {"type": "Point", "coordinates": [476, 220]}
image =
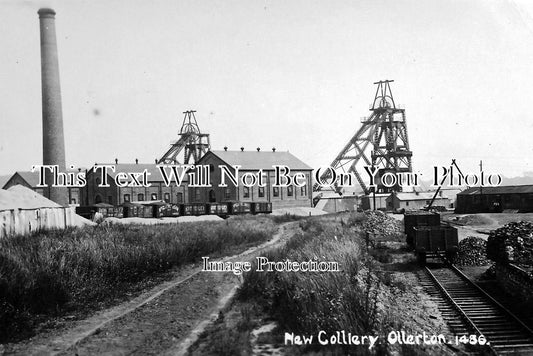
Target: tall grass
{"type": "Point", "coordinates": [53, 272]}
{"type": "Point", "coordinates": [358, 299]}
{"type": "Point", "coordinates": [308, 302]}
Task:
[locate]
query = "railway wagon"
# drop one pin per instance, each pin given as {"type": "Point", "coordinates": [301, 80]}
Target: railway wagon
{"type": "Point", "coordinates": [237, 208]}
{"type": "Point", "coordinates": [193, 209]}
{"type": "Point", "coordinates": [435, 241]}
{"type": "Point", "coordinates": [170, 211]}
{"type": "Point", "coordinates": [412, 219]}
{"type": "Point", "coordinates": [105, 210]}
{"type": "Point", "coordinates": [261, 208]}
{"type": "Point", "coordinates": [220, 209]}
{"type": "Point", "coordinates": [160, 209]}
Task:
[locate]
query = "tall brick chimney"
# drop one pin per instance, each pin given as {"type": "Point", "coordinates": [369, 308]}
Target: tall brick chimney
{"type": "Point", "coordinates": [53, 140]}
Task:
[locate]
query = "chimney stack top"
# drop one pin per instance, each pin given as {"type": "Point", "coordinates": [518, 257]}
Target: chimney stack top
{"type": "Point", "coordinates": [46, 12]}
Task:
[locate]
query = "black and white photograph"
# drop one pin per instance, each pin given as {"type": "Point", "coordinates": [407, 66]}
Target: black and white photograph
{"type": "Point", "coordinates": [266, 177]}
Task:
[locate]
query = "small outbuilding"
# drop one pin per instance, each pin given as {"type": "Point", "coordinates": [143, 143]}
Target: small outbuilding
{"type": "Point", "coordinates": [415, 200]}
{"type": "Point", "coordinates": [376, 201]}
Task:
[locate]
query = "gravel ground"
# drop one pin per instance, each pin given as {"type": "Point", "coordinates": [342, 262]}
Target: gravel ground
{"type": "Point", "coordinates": [480, 225]}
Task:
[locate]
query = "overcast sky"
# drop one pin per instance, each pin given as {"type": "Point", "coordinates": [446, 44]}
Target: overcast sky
{"type": "Point", "coordinates": [295, 75]}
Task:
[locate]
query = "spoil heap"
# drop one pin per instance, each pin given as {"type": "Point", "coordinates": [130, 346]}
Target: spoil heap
{"type": "Point", "coordinates": [378, 222]}
{"type": "Point", "coordinates": [472, 252]}
{"type": "Point", "coordinates": [512, 243]}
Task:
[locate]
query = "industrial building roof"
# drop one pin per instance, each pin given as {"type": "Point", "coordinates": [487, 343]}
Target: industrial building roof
{"type": "Point", "coordinates": [510, 189]}
{"type": "Point", "coordinates": [418, 196]}
{"type": "Point", "coordinates": [254, 160]}
{"type": "Point", "coordinates": [32, 178]}
{"type": "Point", "coordinates": [154, 172]}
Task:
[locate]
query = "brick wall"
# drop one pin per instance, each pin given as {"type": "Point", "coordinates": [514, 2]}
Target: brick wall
{"type": "Point", "coordinates": [515, 281]}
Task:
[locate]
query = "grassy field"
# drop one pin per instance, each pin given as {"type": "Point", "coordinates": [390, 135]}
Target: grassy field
{"type": "Point", "coordinates": [369, 296]}
{"type": "Point", "coordinates": [53, 273]}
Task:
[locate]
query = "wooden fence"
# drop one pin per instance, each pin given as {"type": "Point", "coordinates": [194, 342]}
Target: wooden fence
{"type": "Point", "coordinates": [26, 221]}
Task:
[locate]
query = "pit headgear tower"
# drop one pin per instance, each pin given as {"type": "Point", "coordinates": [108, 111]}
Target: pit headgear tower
{"type": "Point", "coordinates": [191, 140]}
{"type": "Point", "coordinates": [380, 142]}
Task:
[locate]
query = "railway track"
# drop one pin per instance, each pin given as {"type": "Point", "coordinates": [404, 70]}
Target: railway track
{"type": "Point", "coordinates": [469, 310]}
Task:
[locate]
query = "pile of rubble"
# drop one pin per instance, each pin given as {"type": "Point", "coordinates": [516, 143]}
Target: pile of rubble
{"type": "Point", "coordinates": [378, 222]}
{"type": "Point", "coordinates": [512, 243]}
{"type": "Point", "coordinates": [472, 252]}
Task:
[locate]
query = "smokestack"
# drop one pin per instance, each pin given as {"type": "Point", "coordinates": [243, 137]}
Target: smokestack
{"type": "Point", "coordinates": [53, 140]}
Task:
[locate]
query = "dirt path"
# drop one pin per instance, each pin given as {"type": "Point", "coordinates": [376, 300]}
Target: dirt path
{"type": "Point", "coordinates": [160, 321]}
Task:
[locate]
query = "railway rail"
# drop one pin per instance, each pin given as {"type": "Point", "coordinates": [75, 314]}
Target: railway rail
{"type": "Point", "coordinates": [469, 310]}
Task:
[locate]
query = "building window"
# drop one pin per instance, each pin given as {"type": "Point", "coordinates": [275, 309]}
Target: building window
{"type": "Point", "coordinates": [303, 191]}
{"type": "Point", "coordinates": [246, 192]}
{"type": "Point", "coordinates": [167, 197]}
{"type": "Point", "coordinates": [140, 197]}
{"type": "Point", "coordinates": [72, 201]}
{"type": "Point", "coordinates": [179, 197]}
{"type": "Point", "coordinates": [110, 199]}
{"type": "Point", "coordinates": [290, 190]}
{"type": "Point", "coordinates": [275, 191]}
{"type": "Point", "coordinates": [261, 192]}
{"type": "Point", "coordinates": [197, 194]}
{"type": "Point", "coordinates": [153, 196]}
{"type": "Point", "coordinates": [211, 167]}
{"type": "Point", "coordinates": [227, 194]}
{"type": "Point", "coordinates": [126, 198]}
{"type": "Point", "coordinates": [406, 203]}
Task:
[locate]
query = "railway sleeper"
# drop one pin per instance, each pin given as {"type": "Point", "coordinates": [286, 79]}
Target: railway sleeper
{"type": "Point", "coordinates": [505, 339]}
{"type": "Point", "coordinates": [502, 325]}
{"type": "Point", "coordinates": [490, 317]}
{"type": "Point", "coordinates": [500, 330]}
{"type": "Point", "coordinates": [504, 332]}
{"type": "Point", "coordinates": [513, 348]}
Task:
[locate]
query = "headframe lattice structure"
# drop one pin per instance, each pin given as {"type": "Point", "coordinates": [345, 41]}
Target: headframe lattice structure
{"type": "Point", "coordinates": [192, 142]}
{"type": "Point", "coordinates": [380, 142]}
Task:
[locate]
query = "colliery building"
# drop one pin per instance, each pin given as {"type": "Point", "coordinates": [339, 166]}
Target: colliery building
{"type": "Point", "coordinates": [93, 193]}
{"type": "Point", "coordinates": [415, 200]}
{"type": "Point", "coordinates": [495, 199]}
{"type": "Point", "coordinates": [30, 180]}
{"type": "Point", "coordinates": [251, 162]}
